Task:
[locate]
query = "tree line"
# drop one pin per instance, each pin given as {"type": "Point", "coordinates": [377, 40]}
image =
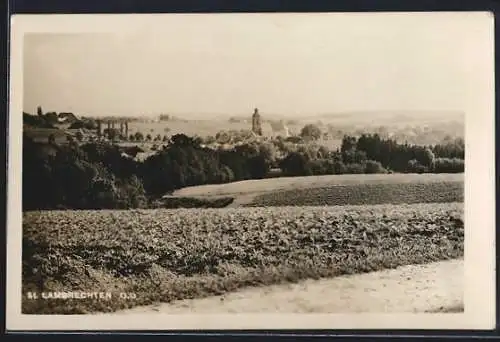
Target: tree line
{"type": "Point", "coordinates": [371, 154]}
{"type": "Point", "coordinates": [98, 175]}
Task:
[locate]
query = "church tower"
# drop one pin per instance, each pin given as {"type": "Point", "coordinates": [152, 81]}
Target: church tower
{"type": "Point", "coordinates": [256, 122]}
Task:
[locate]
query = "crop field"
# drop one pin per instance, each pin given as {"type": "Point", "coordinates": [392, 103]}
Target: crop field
{"type": "Point", "coordinates": [162, 254]}
{"type": "Point", "coordinates": [365, 194]}
{"type": "Point", "coordinates": [273, 185]}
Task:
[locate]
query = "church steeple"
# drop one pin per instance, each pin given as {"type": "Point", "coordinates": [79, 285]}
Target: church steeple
{"type": "Point", "coordinates": [256, 122]}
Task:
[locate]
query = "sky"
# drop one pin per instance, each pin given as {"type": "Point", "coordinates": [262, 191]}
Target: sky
{"type": "Point", "coordinates": [198, 65]}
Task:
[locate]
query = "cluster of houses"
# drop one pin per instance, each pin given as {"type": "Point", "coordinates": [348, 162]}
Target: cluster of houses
{"type": "Point", "coordinates": [270, 128]}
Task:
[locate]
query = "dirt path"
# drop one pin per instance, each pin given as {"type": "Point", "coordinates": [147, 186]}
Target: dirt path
{"type": "Point", "coordinates": [416, 288]}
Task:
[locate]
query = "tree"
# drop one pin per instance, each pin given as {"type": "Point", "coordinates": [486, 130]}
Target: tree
{"type": "Point", "coordinates": [51, 117]}
{"type": "Point", "coordinates": [323, 152]}
{"type": "Point", "coordinates": [295, 164]}
{"type": "Point", "coordinates": [87, 124]}
{"type": "Point", "coordinates": [425, 157]}
{"type": "Point", "coordinates": [183, 140]}
{"type": "Point", "coordinates": [429, 158]}
{"type": "Point", "coordinates": [415, 167]}
{"type": "Point", "coordinates": [79, 136]}
{"type": "Point", "coordinates": [310, 132]}
{"type": "Point", "coordinates": [209, 140]}
{"type": "Point", "coordinates": [354, 157]}
{"type": "Point", "coordinates": [112, 133]}
{"type": "Point", "coordinates": [348, 143]}
{"type": "Point", "coordinates": [223, 137]}
{"type": "Point", "coordinates": [294, 140]}
{"type": "Point", "coordinates": [139, 136]}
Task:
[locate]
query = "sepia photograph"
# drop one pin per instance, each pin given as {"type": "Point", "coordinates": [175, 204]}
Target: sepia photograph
{"type": "Point", "coordinates": [325, 170]}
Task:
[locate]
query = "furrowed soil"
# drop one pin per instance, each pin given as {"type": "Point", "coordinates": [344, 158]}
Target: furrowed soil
{"type": "Point", "coordinates": [152, 253]}
{"type": "Point", "coordinates": [407, 289]}
{"type": "Point", "coordinates": [364, 194]}
{"type": "Point", "coordinates": [336, 190]}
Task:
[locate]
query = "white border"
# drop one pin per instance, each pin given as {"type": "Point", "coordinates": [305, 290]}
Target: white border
{"type": "Point", "coordinates": [479, 194]}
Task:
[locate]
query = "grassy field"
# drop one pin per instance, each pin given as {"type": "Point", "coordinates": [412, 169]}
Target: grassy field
{"type": "Point", "coordinates": [163, 255]}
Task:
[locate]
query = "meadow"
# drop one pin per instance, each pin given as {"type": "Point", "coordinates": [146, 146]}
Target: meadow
{"type": "Point", "coordinates": [167, 254]}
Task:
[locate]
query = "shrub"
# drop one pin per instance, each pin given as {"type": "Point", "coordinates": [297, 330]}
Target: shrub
{"type": "Point", "coordinates": [338, 168]}
{"type": "Point", "coordinates": [131, 193]}
{"type": "Point", "coordinates": [448, 165]}
{"type": "Point", "coordinates": [318, 166]}
{"type": "Point", "coordinates": [415, 167]}
{"type": "Point", "coordinates": [355, 168]}
{"type": "Point", "coordinates": [354, 157]}
{"type": "Point", "coordinates": [372, 166]}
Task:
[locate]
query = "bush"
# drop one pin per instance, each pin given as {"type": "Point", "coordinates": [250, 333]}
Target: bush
{"type": "Point", "coordinates": [338, 168]}
{"type": "Point", "coordinates": [372, 166]}
{"type": "Point", "coordinates": [131, 194]}
{"type": "Point", "coordinates": [415, 167]}
{"type": "Point", "coordinates": [354, 157]}
{"type": "Point", "coordinates": [318, 167]}
{"type": "Point", "coordinates": [355, 168]}
{"type": "Point", "coordinates": [448, 165]}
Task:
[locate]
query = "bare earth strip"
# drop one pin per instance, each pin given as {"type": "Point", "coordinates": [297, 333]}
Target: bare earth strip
{"type": "Point", "coordinates": [434, 287]}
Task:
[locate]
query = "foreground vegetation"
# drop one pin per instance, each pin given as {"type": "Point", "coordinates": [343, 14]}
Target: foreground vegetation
{"type": "Point", "coordinates": [163, 255]}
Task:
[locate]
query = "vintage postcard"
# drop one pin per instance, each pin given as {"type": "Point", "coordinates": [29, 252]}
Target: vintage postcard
{"type": "Point", "coordinates": [251, 171]}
